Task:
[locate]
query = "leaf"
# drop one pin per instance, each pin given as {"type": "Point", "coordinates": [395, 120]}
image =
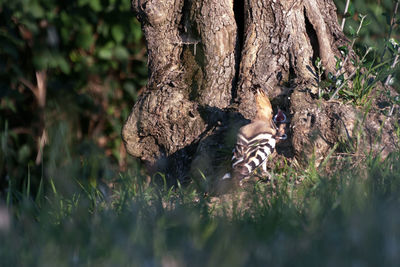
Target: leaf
{"type": "Point", "coordinates": [121, 53]}
{"type": "Point", "coordinates": [36, 10]}
{"type": "Point", "coordinates": [105, 53]}
{"type": "Point", "coordinates": [352, 31]}
{"type": "Point", "coordinates": [367, 22]}
{"type": "Point", "coordinates": [391, 81]}
{"type": "Point", "coordinates": [95, 5]}
{"type": "Point", "coordinates": [318, 62]}
{"type": "Point", "coordinates": [85, 36]}
{"type": "Point", "coordinates": [117, 32]}
{"type": "Point", "coordinates": [136, 31]}
{"type": "Point", "coordinates": [63, 65]}
{"type": "Point", "coordinates": [393, 42]}
{"type": "Point", "coordinates": [350, 93]}
{"type": "Point", "coordinates": [331, 76]}
{"type": "Point", "coordinates": [83, 2]}
{"type": "Point", "coordinates": [338, 63]}
{"type": "Point", "coordinates": [103, 29]}
{"type": "Point", "coordinates": [344, 50]}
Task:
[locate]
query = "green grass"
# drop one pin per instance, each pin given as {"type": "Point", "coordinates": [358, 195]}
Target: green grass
{"type": "Point", "coordinates": [349, 217]}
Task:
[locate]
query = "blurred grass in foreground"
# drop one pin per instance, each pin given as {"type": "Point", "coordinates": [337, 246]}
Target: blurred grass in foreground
{"type": "Point", "coordinates": [347, 218]}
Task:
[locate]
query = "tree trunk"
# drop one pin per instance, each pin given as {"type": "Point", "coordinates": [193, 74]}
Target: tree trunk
{"type": "Point", "coordinates": [206, 57]}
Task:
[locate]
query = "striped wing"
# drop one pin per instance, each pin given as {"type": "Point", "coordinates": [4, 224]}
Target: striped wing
{"type": "Point", "coordinates": [252, 152]}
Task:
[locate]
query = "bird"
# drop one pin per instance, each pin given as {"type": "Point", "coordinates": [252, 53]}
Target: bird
{"type": "Point", "coordinates": [256, 140]}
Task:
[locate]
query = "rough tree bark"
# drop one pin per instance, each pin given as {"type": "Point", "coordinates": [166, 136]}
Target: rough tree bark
{"type": "Point", "coordinates": [206, 57]}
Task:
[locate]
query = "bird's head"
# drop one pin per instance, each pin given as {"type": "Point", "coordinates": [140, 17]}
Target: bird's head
{"type": "Point", "coordinates": [264, 108]}
{"type": "Point", "coordinates": [265, 113]}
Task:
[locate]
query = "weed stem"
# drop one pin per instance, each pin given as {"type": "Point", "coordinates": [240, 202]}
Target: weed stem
{"type": "Point", "coordinates": [345, 13]}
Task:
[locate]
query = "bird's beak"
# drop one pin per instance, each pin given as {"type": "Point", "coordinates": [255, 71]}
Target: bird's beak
{"type": "Point", "coordinates": [281, 120]}
{"type": "Point", "coordinates": [281, 132]}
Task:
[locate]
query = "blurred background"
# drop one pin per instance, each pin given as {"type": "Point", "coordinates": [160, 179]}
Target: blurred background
{"type": "Point", "coordinates": [70, 72]}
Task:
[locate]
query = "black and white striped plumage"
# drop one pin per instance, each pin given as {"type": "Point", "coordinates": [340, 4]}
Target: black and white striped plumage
{"type": "Point", "coordinates": [255, 141]}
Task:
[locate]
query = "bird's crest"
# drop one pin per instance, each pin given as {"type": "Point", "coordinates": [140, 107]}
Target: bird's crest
{"type": "Point", "coordinates": [264, 108]}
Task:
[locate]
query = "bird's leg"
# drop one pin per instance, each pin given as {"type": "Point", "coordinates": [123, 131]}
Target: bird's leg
{"type": "Point", "coordinates": [243, 180]}
{"type": "Point", "coordinates": [263, 173]}
{"type": "Point", "coordinates": [264, 166]}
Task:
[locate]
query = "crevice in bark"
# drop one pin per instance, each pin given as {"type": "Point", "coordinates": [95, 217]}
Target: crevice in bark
{"type": "Point", "coordinates": [292, 72]}
{"type": "Point", "coordinates": [312, 35]}
{"type": "Point", "coordinates": [238, 9]}
{"type": "Point", "coordinates": [186, 27]}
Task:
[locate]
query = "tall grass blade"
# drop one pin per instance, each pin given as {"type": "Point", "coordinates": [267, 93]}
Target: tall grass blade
{"type": "Point", "coordinates": [28, 183]}
{"type": "Point", "coordinates": [9, 193]}
{"type": "Point", "coordinates": [39, 194]}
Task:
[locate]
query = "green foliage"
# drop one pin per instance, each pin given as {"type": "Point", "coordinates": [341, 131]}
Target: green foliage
{"type": "Point", "coordinates": [362, 84]}
{"type": "Point", "coordinates": [378, 20]}
{"type": "Point", "coordinates": [357, 87]}
{"type": "Point", "coordinates": [93, 56]}
{"type": "Point", "coordinates": [372, 68]}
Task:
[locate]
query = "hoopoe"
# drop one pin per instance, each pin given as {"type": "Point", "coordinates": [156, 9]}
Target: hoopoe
{"type": "Point", "coordinates": [256, 140]}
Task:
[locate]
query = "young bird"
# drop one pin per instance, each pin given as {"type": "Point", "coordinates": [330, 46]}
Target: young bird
{"type": "Point", "coordinates": [256, 140]}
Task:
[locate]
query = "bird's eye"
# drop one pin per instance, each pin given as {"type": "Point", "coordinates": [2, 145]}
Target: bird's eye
{"type": "Point", "coordinates": [280, 117]}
